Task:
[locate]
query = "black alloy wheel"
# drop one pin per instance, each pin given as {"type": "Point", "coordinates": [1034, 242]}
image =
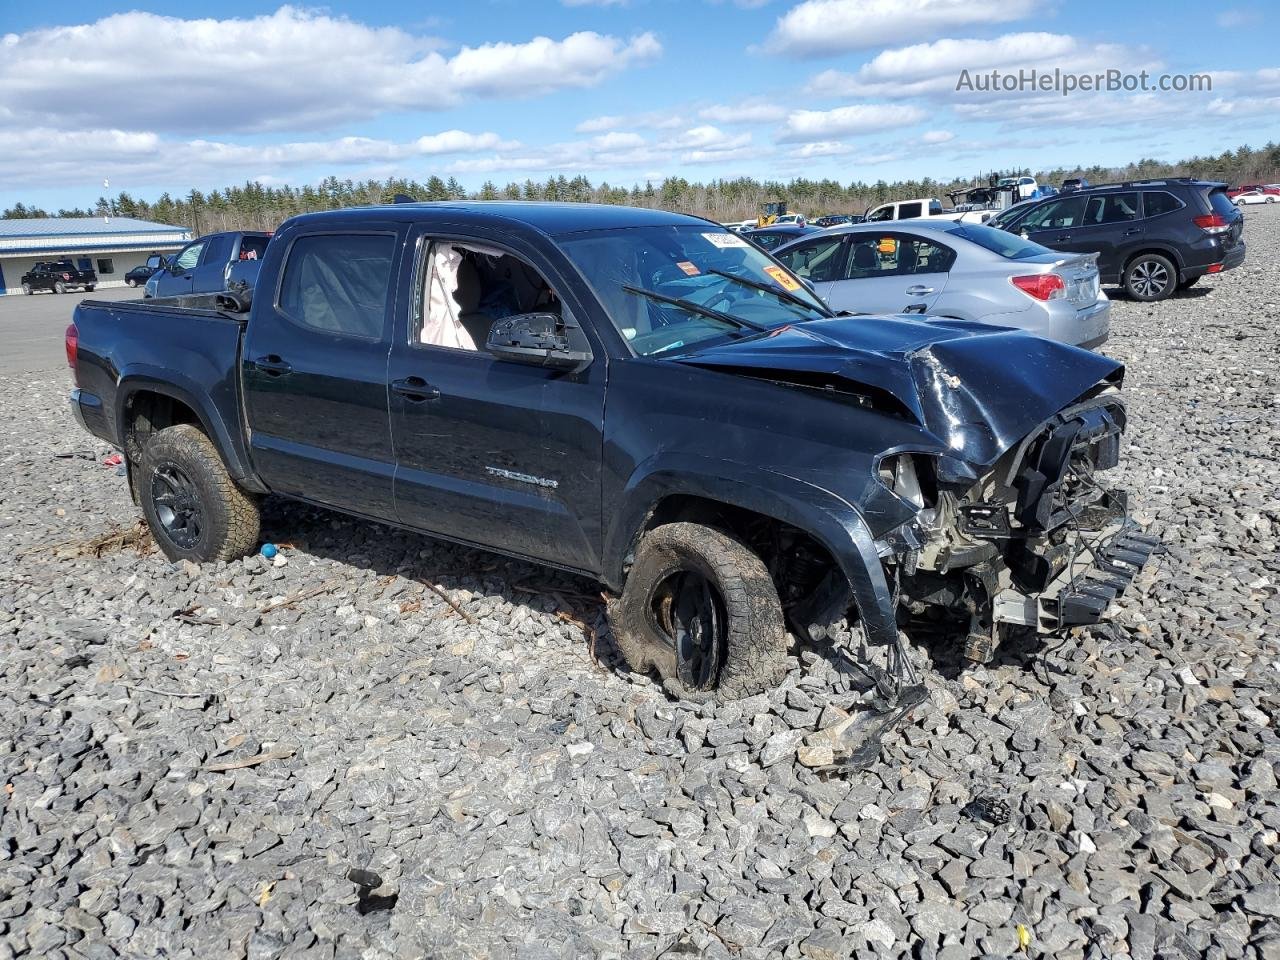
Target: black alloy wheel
{"type": "Point", "coordinates": [689, 612]}
{"type": "Point", "coordinates": [177, 505]}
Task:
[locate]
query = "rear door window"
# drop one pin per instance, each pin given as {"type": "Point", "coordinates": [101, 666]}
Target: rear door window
{"type": "Point", "coordinates": [1158, 202]}
{"type": "Point", "coordinates": [218, 250]}
{"type": "Point", "coordinates": [339, 283]}
{"type": "Point", "coordinates": [908, 210]}
{"type": "Point", "coordinates": [1111, 208]}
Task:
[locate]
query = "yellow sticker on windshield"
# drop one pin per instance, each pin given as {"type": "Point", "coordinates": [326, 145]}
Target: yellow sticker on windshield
{"type": "Point", "coordinates": [782, 278]}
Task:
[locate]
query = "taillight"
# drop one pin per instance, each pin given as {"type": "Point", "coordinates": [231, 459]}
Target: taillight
{"type": "Point", "coordinates": [1042, 286]}
{"type": "Point", "coordinates": [72, 341]}
{"type": "Point", "coordinates": [1212, 223]}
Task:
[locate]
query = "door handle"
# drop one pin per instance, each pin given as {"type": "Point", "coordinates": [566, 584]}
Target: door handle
{"type": "Point", "coordinates": [919, 290]}
{"type": "Point", "coordinates": [273, 366]}
{"type": "Point", "coordinates": [415, 389]}
{"type": "Point", "coordinates": [1132, 230]}
{"type": "Point", "coordinates": [1062, 238]}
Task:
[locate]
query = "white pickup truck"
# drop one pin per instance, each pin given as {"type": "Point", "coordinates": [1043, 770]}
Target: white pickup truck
{"type": "Point", "coordinates": [922, 208]}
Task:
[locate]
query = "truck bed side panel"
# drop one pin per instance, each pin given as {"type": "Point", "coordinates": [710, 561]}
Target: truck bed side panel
{"type": "Point", "coordinates": [191, 355]}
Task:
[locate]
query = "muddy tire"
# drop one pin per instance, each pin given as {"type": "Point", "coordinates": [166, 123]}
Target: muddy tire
{"type": "Point", "coordinates": [194, 509]}
{"type": "Point", "coordinates": [701, 609]}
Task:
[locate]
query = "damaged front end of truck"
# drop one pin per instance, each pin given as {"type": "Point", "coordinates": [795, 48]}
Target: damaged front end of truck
{"type": "Point", "coordinates": [994, 512]}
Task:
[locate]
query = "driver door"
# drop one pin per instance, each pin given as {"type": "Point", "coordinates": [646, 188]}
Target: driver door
{"type": "Point", "coordinates": [176, 279]}
{"type": "Point", "coordinates": [493, 452]}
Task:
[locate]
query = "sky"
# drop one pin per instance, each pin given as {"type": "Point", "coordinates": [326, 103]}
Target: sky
{"type": "Point", "coordinates": [152, 100]}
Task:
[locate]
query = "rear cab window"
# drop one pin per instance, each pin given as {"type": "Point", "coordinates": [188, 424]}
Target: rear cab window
{"type": "Point", "coordinates": [339, 283]}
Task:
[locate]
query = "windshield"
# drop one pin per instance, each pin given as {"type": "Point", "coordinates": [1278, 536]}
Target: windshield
{"type": "Point", "coordinates": [638, 272]}
{"type": "Point", "coordinates": [1006, 217]}
{"type": "Point", "coordinates": [1008, 245]}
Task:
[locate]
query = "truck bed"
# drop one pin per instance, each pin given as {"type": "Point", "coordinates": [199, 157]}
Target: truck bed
{"type": "Point", "coordinates": [186, 348]}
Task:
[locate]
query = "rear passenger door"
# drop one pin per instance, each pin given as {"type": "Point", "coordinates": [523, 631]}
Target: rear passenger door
{"type": "Point", "coordinates": [1111, 227]}
{"type": "Point", "coordinates": [314, 369]}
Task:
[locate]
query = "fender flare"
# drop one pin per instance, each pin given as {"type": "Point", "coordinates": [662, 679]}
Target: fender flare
{"type": "Point", "coordinates": [828, 518]}
{"type": "Point", "coordinates": [171, 383]}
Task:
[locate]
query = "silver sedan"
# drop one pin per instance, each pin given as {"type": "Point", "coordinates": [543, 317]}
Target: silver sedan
{"type": "Point", "coordinates": [960, 270]}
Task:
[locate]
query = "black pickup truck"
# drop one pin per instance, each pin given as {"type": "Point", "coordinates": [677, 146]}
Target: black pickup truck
{"type": "Point", "coordinates": [58, 276]}
{"type": "Point", "coordinates": [640, 397]}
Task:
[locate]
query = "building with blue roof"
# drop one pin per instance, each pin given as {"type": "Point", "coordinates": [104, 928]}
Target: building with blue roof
{"type": "Point", "coordinates": [111, 246]}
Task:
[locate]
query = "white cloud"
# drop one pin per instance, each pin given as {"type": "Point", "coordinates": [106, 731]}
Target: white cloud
{"type": "Point", "coordinates": [293, 69]}
{"type": "Point", "coordinates": [937, 136]}
{"type": "Point", "coordinates": [862, 118]}
{"type": "Point", "coordinates": [668, 119]}
{"type": "Point", "coordinates": [934, 69]}
{"type": "Point", "coordinates": [594, 3]}
{"type": "Point", "coordinates": [44, 156]}
{"type": "Point", "coordinates": [748, 111]}
{"type": "Point", "coordinates": [817, 28]}
{"type": "Point", "coordinates": [822, 148]}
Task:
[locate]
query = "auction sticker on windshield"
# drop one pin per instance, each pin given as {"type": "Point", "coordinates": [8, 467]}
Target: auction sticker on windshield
{"type": "Point", "coordinates": [782, 278]}
{"type": "Point", "coordinates": [725, 240]}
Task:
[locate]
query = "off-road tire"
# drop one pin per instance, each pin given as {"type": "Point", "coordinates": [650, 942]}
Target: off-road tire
{"type": "Point", "coordinates": [755, 647]}
{"type": "Point", "coordinates": [1140, 277]}
{"type": "Point", "coordinates": [59, 287]}
{"type": "Point", "coordinates": [230, 518]}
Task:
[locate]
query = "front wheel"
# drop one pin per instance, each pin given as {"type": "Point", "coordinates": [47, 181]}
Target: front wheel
{"type": "Point", "coordinates": [26, 289]}
{"type": "Point", "coordinates": [193, 507]}
{"type": "Point", "coordinates": [59, 287]}
{"type": "Point", "coordinates": [1150, 277]}
{"type": "Point", "coordinates": [700, 608]}
{"type": "Point", "coordinates": [131, 283]}
{"type": "Point", "coordinates": [1271, 200]}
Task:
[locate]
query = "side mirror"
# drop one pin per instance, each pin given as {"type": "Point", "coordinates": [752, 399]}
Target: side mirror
{"type": "Point", "coordinates": [540, 340]}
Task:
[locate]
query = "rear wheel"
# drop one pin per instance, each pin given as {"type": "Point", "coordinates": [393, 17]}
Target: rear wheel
{"type": "Point", "coordinates": [1271, 200]}
{"type": "Point", "coordinates": [700, 608]}
{"type": "Point", "coordinates": [131, 283]}
{"type": "Point", "coordinates": [1150, 277]}
{"type": "Point", "coordinates": [193, 507]}
{"type": "Point", "coordinates": [89, 288]}
{"type": "Point", "coordinates": [26, 288]}
{"type": "Point", "coordinates": [59, 287]}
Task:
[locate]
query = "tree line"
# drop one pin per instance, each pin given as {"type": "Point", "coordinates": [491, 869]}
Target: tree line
{"type": "Point", "coordinates": [257, 207]}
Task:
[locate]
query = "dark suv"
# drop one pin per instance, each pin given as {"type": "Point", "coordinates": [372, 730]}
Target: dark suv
{"type": "Point", "coordinates": [1151, 236]}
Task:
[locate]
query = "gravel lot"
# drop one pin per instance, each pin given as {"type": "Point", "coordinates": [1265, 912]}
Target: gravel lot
{"type": "Point", "coordinates": [194, 760]}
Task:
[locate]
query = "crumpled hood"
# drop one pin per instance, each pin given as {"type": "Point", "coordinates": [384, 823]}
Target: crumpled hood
{"type": "Point", "coordinates": [979, 389]}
